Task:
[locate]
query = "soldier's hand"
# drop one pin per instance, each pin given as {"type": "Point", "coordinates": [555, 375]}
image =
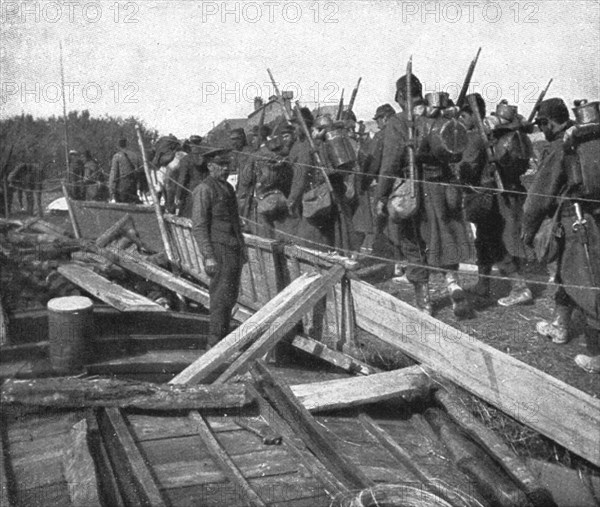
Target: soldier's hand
{"type": "Point", "coordinates": [210, 266]}
{"type": "Point", "coordinates": [527, 238]}
{"type": "Point", "coordinates": [381, 209]}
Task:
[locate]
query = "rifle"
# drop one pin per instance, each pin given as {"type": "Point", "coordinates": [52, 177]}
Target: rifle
{"type": "Point", "coordinates": [286, 113]}
{"type": "Point", "coordinates": [465, 87]}
{"type": "Point", "coordinates": [313, 149]}
{"type": "Point", "coordinates": [340, 107]}
{"type": "Point", "coordinates": [538, 102]}
{"type": "Point", "coordinates": [411, 128]}
{"type": "Point", "coordinates": [353, 96]}
{"type": "Point", "coordinates": [488, 147]}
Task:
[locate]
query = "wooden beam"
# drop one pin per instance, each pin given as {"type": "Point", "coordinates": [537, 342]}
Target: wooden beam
{"type": "Point", "coordinates": [107, 291]}
{"type": "Point", "coordinates": [141, 267]}
{"type": "Point", "coordinates": [334, 357]}
{"type": "Point", "coordinates": [254, 327]}
{"type": "Point", "coordinates": [407, 383]}
{"type": "Point", "coordinates": [79, 468]}
{"type": "Point", "coordinates": [555, 409]}
{"type": "Point", "coordinates": [135, 479]}
{"type": "Point", "coordinates": [113, 231]}
{"type": "Point", "coordinates": [105, 392]}
{"type": "Point", "coordinates": [307, 428]}
{"type": "Point", "coordinates": [284, 322]}
{"type": "Point", "coordinates": [223, 461]}
{"type": "Point", "coordinates": [457, 408]}
{"type": "Point", "coordinates": [5, 487]}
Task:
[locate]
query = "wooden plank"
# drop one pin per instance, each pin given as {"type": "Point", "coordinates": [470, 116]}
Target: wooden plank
{"type": "Point", "coordinates": [162, 361]}
{"type": "Point", "coordinates": [298, 447]}
{"type": "Point", "coordinates": [304, 425]}
{"type": "Point", "coordinates": [107, 291]}
{"type": "Point", "coordinates": [551, 407]}
{"type": "Point", "coordinates": [284, 322]}
{"type": "Point", "coordinates": [223, 460]}
{"type": "Point", "coordinates": [335, 357]}
{"type": "Point", "coordinates": [244, 334]}
{"type": "Point", "coordinates": [406, 383]}
{"type": "Point", "coordinates": [106, 392]}
{"type": "Point", "coordinates": [132, 472]}
{"type": "Point", "coordinates": [267, 463]}
{"type": "Point", "coordinates": [109, 486]}
{"type": "Point", "coordinates": [72, 216]}
{"type": "Point", "coordinates": [79, 468]}
{"type": "Point", "coordinates": [141, 267]}
{"type": "Point", "coordinates": [114, 230]}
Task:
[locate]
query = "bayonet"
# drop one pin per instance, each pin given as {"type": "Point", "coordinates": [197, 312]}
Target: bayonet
{"type": "Point", "coordinates": [286, 112]}
{"type": "Point", "coordinates": [353, 96]}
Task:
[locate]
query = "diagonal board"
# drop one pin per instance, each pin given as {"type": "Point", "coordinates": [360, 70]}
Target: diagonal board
{"type": "Point", "coordinates": [249, 331]}
{"type": "Point", "coordinates": [285, 321]}
{"type": "Point", "coordinates": [145, 269]}
{"type": "Point", "coordinates": [555, 409]}
{"type": "Point", "coordinates": [107, 291]}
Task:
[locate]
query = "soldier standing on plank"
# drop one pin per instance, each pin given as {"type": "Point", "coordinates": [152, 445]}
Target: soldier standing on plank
{"type": "Point", "coordinates": [217, 228]}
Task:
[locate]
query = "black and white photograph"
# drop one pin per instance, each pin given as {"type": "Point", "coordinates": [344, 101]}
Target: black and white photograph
{"type": "Point", "coordinates": [312, 253]}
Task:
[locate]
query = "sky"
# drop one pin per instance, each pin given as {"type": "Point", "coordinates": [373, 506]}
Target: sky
{"type": "Point", "coordinates": [183, 66]}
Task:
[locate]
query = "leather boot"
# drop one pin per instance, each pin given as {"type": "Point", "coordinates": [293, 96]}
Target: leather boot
{"type": "Point", "coordinates": [460, 304]}
{"type": "Point", "coordinates": [482, 287]}
{"type": "Point", "coordinates": [558, 329]}
{"type": "Point", "coordinates": [519, 294]}
{"type": "Point", "coordinates": [422, 297]}
{"type": "Point", "coordinates": [591, 364]}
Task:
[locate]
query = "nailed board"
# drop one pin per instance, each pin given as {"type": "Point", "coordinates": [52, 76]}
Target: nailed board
{"type": "Point", "coordinates": [107, 291]}
{"type": "Point", "coordinates": [555, 409]}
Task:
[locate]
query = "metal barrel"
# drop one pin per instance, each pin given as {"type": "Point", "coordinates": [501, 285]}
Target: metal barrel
{"type": "Point", "coordinates": [70, 330]}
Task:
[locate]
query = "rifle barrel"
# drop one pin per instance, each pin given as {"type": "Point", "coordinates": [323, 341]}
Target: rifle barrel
{"type": "Point", "coordinates": [353, 96]}
{"type": "Point", "coordinates": [538, 102]}
{"type": "Point", "coordinates": [467, 81]}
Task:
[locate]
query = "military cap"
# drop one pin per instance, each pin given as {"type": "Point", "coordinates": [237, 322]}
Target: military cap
{"type": "Point", "coordinates": [553, 109]}
{"type": "Point", "coordinates": [384, 110]}
{"type": "Point", "coordinates": [416, 88]}
{"type": "Point", "coordinates": [480, 104]}
{"type": "Point", "coordinates": [195, 140]}
{"type": "Point", "coordinates": [217, 155]}
{"type": "Point", "coordinates": [287, 128]}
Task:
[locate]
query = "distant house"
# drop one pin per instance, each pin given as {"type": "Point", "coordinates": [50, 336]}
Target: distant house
{"type": "Point", "coordinates": [218, 136]}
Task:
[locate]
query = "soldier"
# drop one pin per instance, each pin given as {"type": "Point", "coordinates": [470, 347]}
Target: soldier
{"type": "Point", "coordinates": [29, 179]}
{"type": "Point", "coordinates": [239, 154]}
{"type": "Point", "coordinates": [364, 218]}
{"type": "Point", "coordinates": [94, 179]}
{"type": "Point", "coordinates": [572, 174]}
{"type": "Point", "coordinates": [436, 234]}
{"type": "Point", "coordinates": [217, 229]}
{"type": "Point", "coordinates": [496, 216]}
{"type": "Point", "coordinates": [76, 176]}
{"type": "Point", "coordinates": [247, 180]}
{"type": "Point", "coordinates": [125, 175]}
{"type": "Point", "coordinates": [191, 171]}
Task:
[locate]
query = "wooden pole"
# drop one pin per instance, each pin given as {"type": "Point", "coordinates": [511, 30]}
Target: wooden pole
{"type": "Point", "coordinates": [72, 216]}
{"type": "Point", "coordinates": [62, 87]}
{"type": "Point", "coordinates": [161, 221]}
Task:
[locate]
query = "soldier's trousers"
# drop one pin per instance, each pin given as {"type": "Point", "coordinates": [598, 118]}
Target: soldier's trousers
{"type": "Point", "coordinates": [224, 288]}
{"type": "Point", "coordinates": [413, 249]}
